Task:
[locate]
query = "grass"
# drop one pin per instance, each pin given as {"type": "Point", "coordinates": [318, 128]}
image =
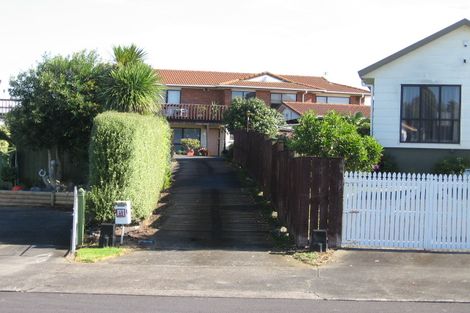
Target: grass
{"type": "Point", "coordinates": [313, 258]}
{"type": "Point", "coordinates": [95, 254]}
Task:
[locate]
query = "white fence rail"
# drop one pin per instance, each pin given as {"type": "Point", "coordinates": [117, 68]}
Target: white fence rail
{"type": "Point", "coordinates": [427, 212]}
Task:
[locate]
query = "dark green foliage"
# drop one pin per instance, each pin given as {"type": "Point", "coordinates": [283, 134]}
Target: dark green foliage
{"type": "Point", "coordinates": [190, 143]}
{"type": "Point", "coordinates": [129, 160]}
{"type": "Point", "coordinates": [387, 164]}
{"type": "Point", "coordinates": [253, 114]}
{"type": "Point", "coordinates": [334, 136]}
{"type": "Point", "coordinates": [362, 123]}
{"type": "Point", "coordinates": [452, 165]}
{"type": "Point", "coordinates": [132, 86]}
{"type": "Point", "coordinates": [59, 99]}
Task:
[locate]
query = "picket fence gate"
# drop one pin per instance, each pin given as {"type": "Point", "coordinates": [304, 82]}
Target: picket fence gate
{"type": "Point", "coordinates": [407, 211]}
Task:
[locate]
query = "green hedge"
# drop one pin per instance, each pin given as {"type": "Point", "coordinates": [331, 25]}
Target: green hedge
{"type": "Point", "coordinates": [129, 160]}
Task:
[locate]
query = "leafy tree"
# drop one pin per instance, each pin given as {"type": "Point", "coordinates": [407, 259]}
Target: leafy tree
{"type": "Point", "coordinates": [59, 99]}
{"type": "Point", "coordinates": [132, 85]}
{"type": "Point", "coordinates": [253, 114]}
{"type": "Point", "coordinates": [362, 123]}
{"type": "Point", "coordinates": [334, 136]}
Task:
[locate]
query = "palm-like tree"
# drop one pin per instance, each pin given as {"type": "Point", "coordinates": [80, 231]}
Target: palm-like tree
{"type": "Point", "coordinates": [132, 85]}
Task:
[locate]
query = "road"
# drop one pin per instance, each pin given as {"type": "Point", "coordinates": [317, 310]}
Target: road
{"type": "Point", "coordinates": [13, 302]}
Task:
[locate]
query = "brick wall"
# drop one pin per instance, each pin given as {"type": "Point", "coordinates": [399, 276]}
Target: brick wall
{"type": "Point", "coordinates": [307, 97]}
{"type": "Point", "coordinates": [227, 97]}
{"type": "Point", "coordinates": [355, 100]}
{"type": "Point", "coordinates": [264, 95]}
{"type": "Point", "coordinates": [202, 96]}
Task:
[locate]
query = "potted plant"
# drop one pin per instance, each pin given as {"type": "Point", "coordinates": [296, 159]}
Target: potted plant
{"type": "Point", "coordinates": [190, 144]}
{"type": "Point", "coordinates": [202, 151]}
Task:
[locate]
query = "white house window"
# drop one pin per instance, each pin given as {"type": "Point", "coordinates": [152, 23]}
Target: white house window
{"type": "Point", "coordinates": [243, 94]}
{"type": "Point", "coordinates": [173, 96]}
{"type": "Point", "coordinates": [430, 114]}
{"type": "Point", "coordinates": [334, 100]}
{"type": "Point", "coordinates": [278, 98]}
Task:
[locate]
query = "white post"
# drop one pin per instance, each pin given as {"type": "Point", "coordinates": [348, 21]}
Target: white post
{"type": "Point", "coordinates": [73, 242]}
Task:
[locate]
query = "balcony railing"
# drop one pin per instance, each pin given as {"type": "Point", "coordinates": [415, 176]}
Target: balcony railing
{"type": "Point", "coordinates": [210, 113]}
{"type": "Point", "coordinates": [6, 105]}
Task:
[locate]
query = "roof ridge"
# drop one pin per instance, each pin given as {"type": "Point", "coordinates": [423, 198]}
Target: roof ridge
{"type": "Point", "coordinates": [201, 71]}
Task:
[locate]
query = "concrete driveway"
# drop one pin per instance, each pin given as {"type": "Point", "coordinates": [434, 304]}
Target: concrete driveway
{"type": "Point", "coordinates": [32, 231]}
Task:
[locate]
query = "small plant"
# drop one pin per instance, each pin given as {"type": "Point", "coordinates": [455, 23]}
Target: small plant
{"type": "Point", "coordinates": [191, 144]}
{"type": "Point", "coordinates": [452, 165]}
{"type": "Point", "coordinates": [202, 152]}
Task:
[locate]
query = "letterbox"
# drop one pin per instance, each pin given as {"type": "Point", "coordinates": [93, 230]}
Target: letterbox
{"type": "Point", "coordinates": [122, 212]}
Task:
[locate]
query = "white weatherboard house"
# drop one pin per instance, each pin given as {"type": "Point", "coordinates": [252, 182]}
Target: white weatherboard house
{"type": "Point", "coordinates": [421, 99]}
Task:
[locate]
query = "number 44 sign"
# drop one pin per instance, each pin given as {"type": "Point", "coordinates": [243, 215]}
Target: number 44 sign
{"type": "Point", "coordinates": [122, 211]}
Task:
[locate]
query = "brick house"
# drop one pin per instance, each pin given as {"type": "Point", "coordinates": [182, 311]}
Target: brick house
{"type": "Point", "coordinates": [196, 100]}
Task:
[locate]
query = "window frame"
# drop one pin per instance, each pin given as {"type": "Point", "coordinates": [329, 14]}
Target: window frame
{"type": "Point", "coordinates": [327, 98]}
{"type": "Point", "coordinates": [183, 136]}
{"type": "Point", "coordinates": [282, 97]}
{"type": "Point", "coordinates": [429, 120]}
{"type": "Point", "coordinates": [174, 90]}
{"type": "Point", "coordinates": [244, 93]}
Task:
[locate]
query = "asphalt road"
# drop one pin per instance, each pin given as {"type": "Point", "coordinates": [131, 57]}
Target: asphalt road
{"type": "Point", "coordinates": [35, 226]}
{"type": "Point", "coordinates": [13, 302]}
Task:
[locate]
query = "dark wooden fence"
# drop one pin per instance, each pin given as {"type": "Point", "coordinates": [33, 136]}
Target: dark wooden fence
{"type": "Point", "coordinates": [307, 192]}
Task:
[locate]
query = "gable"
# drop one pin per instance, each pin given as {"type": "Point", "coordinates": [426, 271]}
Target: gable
{"type": "Point", "coordinates": [422, 46]}
{"type": "Point", "coordinates": [265, 79]}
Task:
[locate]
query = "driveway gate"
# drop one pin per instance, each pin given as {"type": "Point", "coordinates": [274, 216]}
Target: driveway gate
{"type": "Point", "coordinates": [425, 212]}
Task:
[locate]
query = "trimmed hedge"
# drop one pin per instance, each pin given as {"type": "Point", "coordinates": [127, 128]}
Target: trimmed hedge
{"type": "Point", "coordinates": [129, 160]}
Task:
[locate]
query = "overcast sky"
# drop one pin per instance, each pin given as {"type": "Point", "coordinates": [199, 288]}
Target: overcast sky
{"type": "Point", "coordinates": [336, 37]}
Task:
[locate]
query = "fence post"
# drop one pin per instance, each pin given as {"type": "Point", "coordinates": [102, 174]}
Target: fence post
{"type": "Point", "coordinates": [81, 217]}
{"type": "Point", "coordinates": [73, 240]}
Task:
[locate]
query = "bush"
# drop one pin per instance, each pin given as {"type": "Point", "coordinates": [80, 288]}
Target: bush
{"type": "Point", "coordinates": [452, 165]}
{"type": "Point", "coordinates": [253, 114]}
{"type": "Point", "coordinates": [129, 160]}
{"type": "Point", "coordinates": [190, 143]}
{"type": "Point", "coordinates": [334, 136]}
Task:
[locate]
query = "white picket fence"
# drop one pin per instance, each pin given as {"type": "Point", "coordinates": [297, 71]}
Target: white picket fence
{"type": "Point", "coordinates": [408, 211]}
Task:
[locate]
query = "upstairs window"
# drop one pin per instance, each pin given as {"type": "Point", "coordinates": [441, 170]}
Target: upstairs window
{"type": "Point", "coordinates": [173, 96]}
{"type": "Point", "coordinates": [430, 114]}
{"type": "Point", "coordinates": [243, 94]}
{"type": "Point", "coordinates": [278, 98]}
{"type": "Point", "coordinates": [334, 100]}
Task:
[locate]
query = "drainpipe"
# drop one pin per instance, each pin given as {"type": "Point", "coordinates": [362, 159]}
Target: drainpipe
{"type": "Point", "coordinates": [303, 95]}
{"type": "Point", "coordinates": [371, 87]}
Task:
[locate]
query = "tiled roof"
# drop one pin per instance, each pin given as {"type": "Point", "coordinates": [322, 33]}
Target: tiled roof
{"type": "Point", "coordinates": [321, 109]}
{"type": "Point", "coordinates": [322, 83]}
{"type": "Point", "coordinates": [208, 78]}
{"type": "Point", "coordinates": [197, 78]}
{"type": "Point", "coordinates": [274, 85]}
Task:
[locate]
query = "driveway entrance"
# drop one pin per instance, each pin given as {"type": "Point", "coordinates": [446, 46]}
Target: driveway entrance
{"type": "Point", "coordinates": [27, 231]}
{"type": "Point", "coordinates": [208, 208]}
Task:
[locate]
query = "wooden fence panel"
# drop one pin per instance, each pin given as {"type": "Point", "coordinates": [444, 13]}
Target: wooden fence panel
{"type": "Point", "coordinates": [301, 189]}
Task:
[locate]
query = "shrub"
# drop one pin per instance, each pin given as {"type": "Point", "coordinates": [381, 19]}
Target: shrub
{"type": "Point", "coordinates": [129, 160]}
{"type": "Point", "coordinates": [387, 164]}
{"type": "Point", "coordinates": [334, 136]}
{"type": "Point", "coordinates": [452, 165]}
{"type": "Point", "coordinates": [191, 143]}
{"type": "Point", "coordinates": [253, 114]}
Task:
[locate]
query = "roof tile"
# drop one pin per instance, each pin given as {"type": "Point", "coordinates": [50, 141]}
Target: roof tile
{"type": "Point", "coordinates": [209, 78]}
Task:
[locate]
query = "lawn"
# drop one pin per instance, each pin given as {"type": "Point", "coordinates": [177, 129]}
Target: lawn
{"type": "Point", "coordinates": [92, 255]}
